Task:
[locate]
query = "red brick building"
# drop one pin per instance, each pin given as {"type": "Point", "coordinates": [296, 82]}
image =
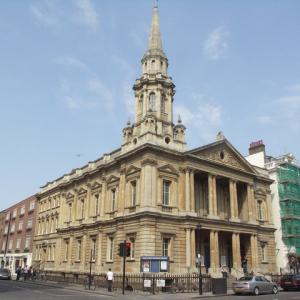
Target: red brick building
{"type": "Point", "coordinates": [16, 234]}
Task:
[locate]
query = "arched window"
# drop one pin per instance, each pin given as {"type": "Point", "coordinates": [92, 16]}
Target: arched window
{"type": "Point", "coordinates": [152, 102]}
{"type": "Point", "coordinates": [162, 103]}
{"type": "Point", "coordinates": [153, 64]}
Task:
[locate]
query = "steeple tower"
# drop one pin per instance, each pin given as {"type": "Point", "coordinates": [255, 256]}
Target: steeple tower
{"type": "Point", "coordinates": [154, 92]}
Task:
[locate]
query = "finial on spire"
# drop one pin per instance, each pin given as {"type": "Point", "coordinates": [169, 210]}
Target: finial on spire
{"type": "Point", "coordinates": [156, 3]}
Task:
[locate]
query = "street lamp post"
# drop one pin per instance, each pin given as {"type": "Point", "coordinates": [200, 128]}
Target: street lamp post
{"type": "Point", "coordinates": [199, 260]}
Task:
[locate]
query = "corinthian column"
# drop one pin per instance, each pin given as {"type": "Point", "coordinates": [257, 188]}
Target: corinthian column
{"type": "Point", "coordinates": [212, 205]}
{"type": "Point", "coordinates": [192, 191]}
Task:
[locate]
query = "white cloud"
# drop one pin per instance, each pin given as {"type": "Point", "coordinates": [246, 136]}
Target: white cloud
{"type": "Point", "coordinates": [52, 12]}
{"type": "Point", "coordinates": [294, 88]}
{"type": "Point", "coordinates": [45, 12]}
{"type": "Point", "coordinates": [71, 61]}
{"type": "Point", "coordinates": [206, 116]}
{"type": "Point", "coordinates": [217, 43]}
{"type": "Point", "coordinates": [71, 103]}
{"type": "Point", "coordinates": [87, 14]}
{"type": "Point", "coordinates": [106, 96]}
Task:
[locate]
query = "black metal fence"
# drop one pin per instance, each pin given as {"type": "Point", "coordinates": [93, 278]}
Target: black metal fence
{"type": "Point", "coordinates": [153, 283]}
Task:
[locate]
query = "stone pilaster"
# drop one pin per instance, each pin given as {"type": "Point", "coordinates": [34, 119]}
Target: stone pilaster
{"type": "Point", "coordinates": [187, 190]}
{"type": "Point", "coordinates": [193, 250]}
{"type": "Point", "coordinates": [233, 201]}
{"type": "Point", "coordinates": [192, 191]}
{"type": "Point", "coordinates": [188, 248]}
{"type": "Point", "coordinates": [103, 198]}
{"type": "Point", "coordinates": [254, 253]}
{"type": "Point", "coordinates": [212, 198]}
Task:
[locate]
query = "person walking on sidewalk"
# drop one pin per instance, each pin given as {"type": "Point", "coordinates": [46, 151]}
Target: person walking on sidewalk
{"type": "Point", "coordinates": [109, 278]}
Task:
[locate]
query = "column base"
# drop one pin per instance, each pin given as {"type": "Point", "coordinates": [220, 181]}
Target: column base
{"type": "Point", "coordinates": [237, 272]}
{"type": "Point", "coordinates": [209, 216]}
{"type": "Point", "coordinates": [215, 272]}
{"type": "Point", "coordinates": [235, 220]}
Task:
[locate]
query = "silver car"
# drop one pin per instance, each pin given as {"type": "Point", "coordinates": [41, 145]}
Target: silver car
{"type": "Point", "coordinates": [254, 284]}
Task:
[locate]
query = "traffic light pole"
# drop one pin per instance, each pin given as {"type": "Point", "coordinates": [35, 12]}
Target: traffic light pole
{"type": "Point", "coordinates": [124, 261]}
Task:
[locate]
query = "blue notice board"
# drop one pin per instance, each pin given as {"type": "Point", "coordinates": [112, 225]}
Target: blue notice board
{"type": "Point", "coordinates": [154, 264]}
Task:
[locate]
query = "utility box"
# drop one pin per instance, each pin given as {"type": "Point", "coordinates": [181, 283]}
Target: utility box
{"type": "Point", "coordinates": [219, 285]}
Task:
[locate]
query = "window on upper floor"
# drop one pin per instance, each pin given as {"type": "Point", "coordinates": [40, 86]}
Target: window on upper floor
{"type": "Point", "coordinates": [29, 223]}
{"type": "Point", "coordinates": [97, 202]}
{"type": "Point", "coordinates": [113, 199]}
{"type": "Point", "coordinates": [263, 247]}
{"type": "Point", "coordinates": [22, 210]}
{"type": "Point", "coordinates": [82, 209]}
{"type": "Point", "coordinates": [78, 250]}
{"type": "Point", "coordinates": [260, 210]}
{"type": "Point", "coordinates": [66, 252]}
{"type": "Point", "coordinates": [14, 215]}
{"type": "Point", "coordinates": [32, 205]}
{"type": "Point", "coordinates": [166, 192]}
{"type": "Point", "coordinates": [12, 228]}
{"type": "Point", "coordinates": [162, 103]}
{"type": "Point", "coordinates": [152, 102]}
{"type": "Point", "coordinates": [10, 244]}
{"type": "Point", "coordinates": [27, 242]}
{"type": "Point", "coordinates": [70, 212]}
{"type": "Point", "coordinates": [133, 192]}
{"type": "Point", "coordinates": [18, 243]}
{"type": "Point", "coordinates": [20, 226]}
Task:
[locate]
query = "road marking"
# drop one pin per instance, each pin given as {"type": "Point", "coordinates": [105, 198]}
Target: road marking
{"type": "Point", "coordinates": [295, 297]}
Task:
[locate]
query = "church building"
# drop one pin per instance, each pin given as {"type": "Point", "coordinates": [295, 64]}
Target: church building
{"type": "Point", "coordinates": [176, 207]}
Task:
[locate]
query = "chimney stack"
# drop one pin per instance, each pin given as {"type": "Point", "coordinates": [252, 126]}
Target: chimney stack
{"type": "Point", "coordinates": [257, 147]}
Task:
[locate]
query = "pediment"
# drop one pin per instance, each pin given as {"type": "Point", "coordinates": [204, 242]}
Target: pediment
{"type": "Point", "coordinates": [82, 191]}
{"type": "Point", "coordinates": [95, 185]}
{"type": "Point", "coordinates": [168, 169]}
{"type": "Point", "coordinates": [69, 195]}
{"type": "Point", "coordinates": [112, 178]}
{"type": "Point", "coordinates": [132, 170]}
{"type": "Point", "coordinates": [224, 153]}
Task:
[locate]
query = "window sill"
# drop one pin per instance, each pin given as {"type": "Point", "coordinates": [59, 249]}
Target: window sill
{"type": "Point", "coordinates": [130, 259]}
{"type": "Point", "coordinates": [77, 261]}
{"type": "Point", "coordinates": [109, 261]}
{"type": "Point", "coordinates": [265, 262]}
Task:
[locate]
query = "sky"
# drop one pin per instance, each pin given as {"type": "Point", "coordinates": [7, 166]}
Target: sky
{"type": "Point", "coordinates": [67, 70]}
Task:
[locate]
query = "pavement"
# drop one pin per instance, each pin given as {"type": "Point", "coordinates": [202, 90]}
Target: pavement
{"type": "Point", "coordinates": [63, 290]}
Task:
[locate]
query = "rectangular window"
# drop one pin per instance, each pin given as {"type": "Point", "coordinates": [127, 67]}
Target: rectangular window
{"type": "Point", "coordinates": [27, 242]}
{"type": "Point", "coordinates": [3, 246]}
{"type": "Point", "coordinates": [70, 212]}
{"type": "Point", "coordinates": [32, 205]}
{"type": "Point", "coordinates": [133, 193]}
{"type": "Point", "coordinates": [260, 210]}
{"type": "Point", "coordinates": [6, 229]}
{"type": "Point", "coordinates": [29, 223]}
{"type": "Point", "coordinates": [96, 199]}
{"type": "Point", "coordinates": [113, 199]}
{"type": "Point", "coordinates": [165, 246]}
{"type": "Point", "coordinates": [132, 247]}
{"type": "Point", "coordinates": [264, 252]}
{"type": "Point", "coordinates": [93, 248]}
{"type": "Point", "coordinates": [18, 244]}
{"type": "Point", "coordinates": [78, 254]}
{"type": "Point", "coordinates": [13, 226]}
{"type": "Point", "coordinates": [166, 192]}
{"type": "Point", "coordinates": [66, 249]}
{"type": "Point", "coordinates": [20, 226]}
{"type": "Point", "coordinates": [110, 248]}
{"type": "Point", "coordinates": [82, 209]}
{"type": "Point", "coordinates": [22, 210]}
{"type": "Point", "coordinates": [53, 252]}
{"type": "Point", "coordinates": [7, 216]}
{"type": "Point", "coordinates": [10, 243]}
{"type": "Point", "coordinates": [14, 213]}
{"type": "Point", "coordinates": [49, 252]}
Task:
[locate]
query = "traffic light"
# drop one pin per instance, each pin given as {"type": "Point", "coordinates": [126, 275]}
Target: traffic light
{"type": "Point", "coordinates": [128, 248]}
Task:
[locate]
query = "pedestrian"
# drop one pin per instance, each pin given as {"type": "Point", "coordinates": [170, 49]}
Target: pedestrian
{"type": "Point", "coordinates": [109, 278]}
{"type": "Point", "coordinates": [25, 272]}
{"type": "Point", "coordinates": [18, 271]}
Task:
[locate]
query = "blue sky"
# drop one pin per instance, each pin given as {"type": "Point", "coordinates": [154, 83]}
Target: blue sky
{"type": "Point", "coordinates": [67, 68]}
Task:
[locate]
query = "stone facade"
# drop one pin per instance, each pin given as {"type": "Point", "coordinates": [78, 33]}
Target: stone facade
{"type": "Point", "coordinates": [165, 200]}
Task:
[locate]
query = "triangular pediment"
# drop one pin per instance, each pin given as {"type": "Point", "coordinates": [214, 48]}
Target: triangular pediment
{"type": "Point", "coordinates": [95, 185]}
{"type": "Point", "coordinates": [112, 178]}
{"type": "Point", "coordinates": [82, 191]}
{"type": "Point", "coordinates": [132, 169]}
{"type": "Point", "coordinates": [224, 153]}
{"type": "Point", "coordinates": [168, 169]}
{"type": "Point", "coordinates": [69, 195]}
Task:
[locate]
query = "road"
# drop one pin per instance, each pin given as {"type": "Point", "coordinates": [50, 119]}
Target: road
{"type": "Point", "coordinates": [14, 290]}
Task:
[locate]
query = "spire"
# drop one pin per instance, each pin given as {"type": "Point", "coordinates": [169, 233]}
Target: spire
{"type": "Point", "coordinates": [155, 44]}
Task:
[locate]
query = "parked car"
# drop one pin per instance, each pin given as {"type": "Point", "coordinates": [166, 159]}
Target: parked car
{"type": "Point", "coordinates": [5, 274]}
{"type": "Point", "coordinates": [254, 285]}
{"type": "Point", "coordinates": [290, 282]}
